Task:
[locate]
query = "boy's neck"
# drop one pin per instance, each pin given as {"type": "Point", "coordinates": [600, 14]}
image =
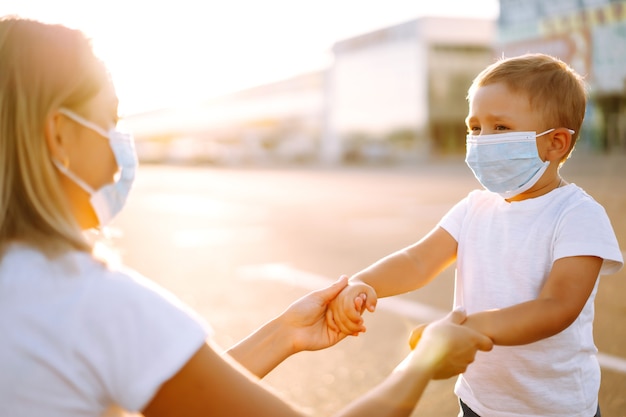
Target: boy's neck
{"type": "Point", "coordinates": [552, 185]}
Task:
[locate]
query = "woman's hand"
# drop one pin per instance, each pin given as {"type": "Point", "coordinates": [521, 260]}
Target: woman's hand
{"type": "Point", "coordinates": [445, 348]}
{"type": "Point", "coordinates": [306, 319]}
{"type": "Point", "coordinates": [302, 326]}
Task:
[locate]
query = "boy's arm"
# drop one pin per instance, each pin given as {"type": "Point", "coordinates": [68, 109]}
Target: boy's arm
{"type": "Point", "coordinates": [402, 271]}
{"type": "Point", "coordinates": [412, 267]}
{"type": "Point", "coordinates": [559, 303]}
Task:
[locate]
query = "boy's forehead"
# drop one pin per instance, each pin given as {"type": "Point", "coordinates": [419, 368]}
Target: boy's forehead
{"type": "Point", "coordinates": [499, 102]}
{"type": "Point", "coordinates": [499, 89]}
{"type": "Point", "coordinates": [498, 96]}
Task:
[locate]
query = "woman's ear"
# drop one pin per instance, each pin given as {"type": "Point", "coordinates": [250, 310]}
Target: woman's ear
{"type": "Point", "coordinates": [55, 130]}
{"type": "Point", "coordinates": [559, 144]}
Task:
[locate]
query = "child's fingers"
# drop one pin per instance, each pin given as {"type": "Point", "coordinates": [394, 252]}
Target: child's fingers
{"type": "Point", "coordinates": [349, 323]}
{"type": "Point", "coordinates": [350, 328]}
{"type": "Point", "coordinates": [370, 298]}
{"type": "Point", "coordinates": [359, 303]}
{"type": "Point", "coordinates": [330, 321]}
{"type": "Point", "coordinates": [352, 311]}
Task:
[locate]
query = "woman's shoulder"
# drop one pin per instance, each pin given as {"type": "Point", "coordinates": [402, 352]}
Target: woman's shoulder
{"type": "Point", "coordinates": [88, 285]}
{"type": "Point", "coordinates": [101, 320]}
{"type": "Point", "coordinates": [24, 263]}
{"type": "Point", "coordinates": [71, 271]}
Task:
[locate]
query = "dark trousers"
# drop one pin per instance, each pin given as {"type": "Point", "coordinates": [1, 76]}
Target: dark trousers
{"type": "Point", "coordinates": [467, 412]}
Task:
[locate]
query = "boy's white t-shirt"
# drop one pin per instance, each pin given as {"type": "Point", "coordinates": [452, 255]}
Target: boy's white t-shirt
{"type": "Point", "coordinates": [505, 253]}
{"type": "Point", "coordinates": [79, 339]}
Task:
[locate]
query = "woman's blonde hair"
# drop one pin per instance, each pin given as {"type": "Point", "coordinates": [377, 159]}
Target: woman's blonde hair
{"type": "Point", "coordinates": [554, 89]}
{"type": "Point", "coordinates": [42, 67]}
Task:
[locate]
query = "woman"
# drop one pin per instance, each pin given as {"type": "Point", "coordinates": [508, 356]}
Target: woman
{"type": "Point", "coordinates": [81, 337]}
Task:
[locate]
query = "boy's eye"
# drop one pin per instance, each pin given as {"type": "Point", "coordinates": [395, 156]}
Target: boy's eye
{"type": "Point", "coordinates": [500, 127]}
{"type": "Point", "coordinates": [473, 130]}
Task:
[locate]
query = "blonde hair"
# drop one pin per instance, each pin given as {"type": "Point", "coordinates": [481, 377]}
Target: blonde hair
{"type": "Point", "coordinates": [43, 67]}
{"type": "Point", "coordinates": [554, 89]}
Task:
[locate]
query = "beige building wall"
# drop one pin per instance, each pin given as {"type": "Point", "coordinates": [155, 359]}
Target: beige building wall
{"type": "Point", "coordinates": [399, 93]}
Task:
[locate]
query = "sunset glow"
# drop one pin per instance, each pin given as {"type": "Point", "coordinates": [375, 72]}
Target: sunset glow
{"type": "Point", "coordinates": [168, 54]}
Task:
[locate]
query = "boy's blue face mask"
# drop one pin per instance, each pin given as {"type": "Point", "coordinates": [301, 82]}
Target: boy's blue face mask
{"type": "Point", "coordinates": [506, 163]}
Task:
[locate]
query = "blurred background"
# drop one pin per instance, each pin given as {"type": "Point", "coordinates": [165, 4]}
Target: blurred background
{"type": "Point", "coordinates": [284, 143]}
{"type": "Point", "coordinates": [333, 82]}
{"type": "Point", "coordinates": [397, 94]}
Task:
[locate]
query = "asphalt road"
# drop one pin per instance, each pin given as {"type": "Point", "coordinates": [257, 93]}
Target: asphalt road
{"type": "Point", "coordinates": [239, 245]}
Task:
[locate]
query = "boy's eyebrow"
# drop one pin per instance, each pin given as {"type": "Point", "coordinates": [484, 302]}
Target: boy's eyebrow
{"type": "Point", "coordinates": [491, 116]}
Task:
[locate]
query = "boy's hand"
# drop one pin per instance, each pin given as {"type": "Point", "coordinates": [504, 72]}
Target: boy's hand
{"type": "Point", "coordinates": [344, 312]}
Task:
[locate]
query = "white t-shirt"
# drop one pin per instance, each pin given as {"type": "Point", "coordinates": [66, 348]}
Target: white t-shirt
{"type": "Point", "coordinates": [78, 339]}
{"type": "Point", "coordinates": [505, 253]}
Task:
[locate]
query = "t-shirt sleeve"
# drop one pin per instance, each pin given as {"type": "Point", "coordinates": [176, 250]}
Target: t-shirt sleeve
{"type": "Point", "coordinates": [135, 336]}
{"type": "Point", "coordinates": [452, 221]}
{"type": "Point", "coordinates": [586, 230]}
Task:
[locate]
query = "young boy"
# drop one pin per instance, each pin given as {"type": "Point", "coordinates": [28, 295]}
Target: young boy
{"type": "Point", "coordinates": [528, 249]}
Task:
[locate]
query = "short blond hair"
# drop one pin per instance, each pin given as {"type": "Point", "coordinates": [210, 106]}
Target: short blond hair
{"type": "Point", "coordinates": [42, 67]}
{"type": "Point", "coordinates": [553, 88]}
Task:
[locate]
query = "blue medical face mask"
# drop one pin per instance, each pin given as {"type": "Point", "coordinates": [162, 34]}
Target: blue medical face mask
{"type": "Point", "coordinates": [109, 200]}
{"type": "Point", "coordinates": [506, 163]}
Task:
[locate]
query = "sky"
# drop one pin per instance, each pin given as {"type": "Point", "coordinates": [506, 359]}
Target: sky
{"type": "Point", "coordinates": [164, 53]}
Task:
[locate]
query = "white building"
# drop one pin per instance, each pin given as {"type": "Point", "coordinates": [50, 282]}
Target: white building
{"type": "Point", "coordinates": [399, 92]}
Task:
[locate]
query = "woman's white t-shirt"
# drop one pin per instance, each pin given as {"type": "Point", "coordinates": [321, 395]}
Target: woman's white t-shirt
{"type": "Point", "coordinates": [78, 339]}
{"type": "Point", "coordinates": [505, 253]}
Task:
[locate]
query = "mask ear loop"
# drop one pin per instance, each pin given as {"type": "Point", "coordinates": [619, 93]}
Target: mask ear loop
{"type": "Point", "coordinates": [81, 120]}
{"type": "Point", "coordinates": [61, 166]}
{"type": "Point", "coordinates": [553, 129]}
{"type": "Point", "coordinates": [546, 132]}
{"type": "Point", "coordinates": [102, 230]}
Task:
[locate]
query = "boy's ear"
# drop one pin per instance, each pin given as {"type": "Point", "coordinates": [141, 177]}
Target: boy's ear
{"type": "Point", "coordinates": [560, 141]}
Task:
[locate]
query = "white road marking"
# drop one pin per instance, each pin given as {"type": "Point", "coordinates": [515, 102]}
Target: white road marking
{"type": "Point", "coordinates": [216, 236]}
{"type": "Point", "coordinates": [412, 309]}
